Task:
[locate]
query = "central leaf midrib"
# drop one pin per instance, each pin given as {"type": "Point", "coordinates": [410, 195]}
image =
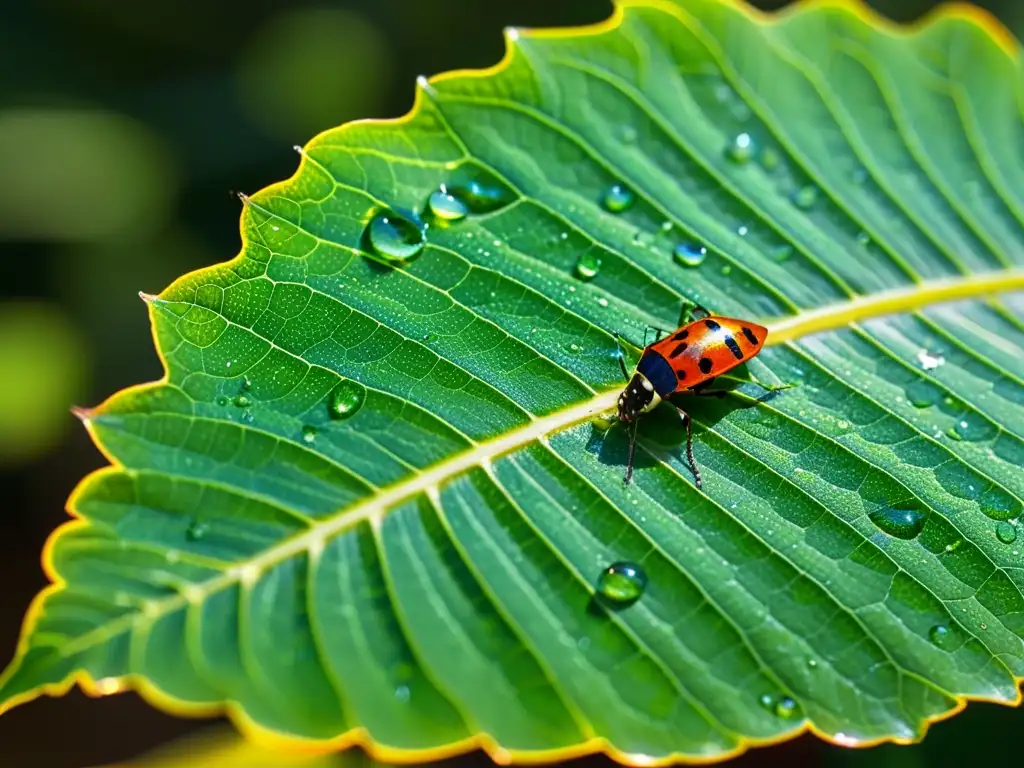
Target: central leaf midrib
{"type": "Point", "coordinates": [781, 331]}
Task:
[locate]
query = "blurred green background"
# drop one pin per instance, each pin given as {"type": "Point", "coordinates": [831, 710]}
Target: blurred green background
{"type": "Point", "coordinates": [125, 128]}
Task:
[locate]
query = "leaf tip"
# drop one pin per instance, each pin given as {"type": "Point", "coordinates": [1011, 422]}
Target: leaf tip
{"type": "Point", "coordinates": [84, 415]}
{"type": "Point", "coordinates": [149, 298]}
{"type": "Point", "coordinates": [243, 197]}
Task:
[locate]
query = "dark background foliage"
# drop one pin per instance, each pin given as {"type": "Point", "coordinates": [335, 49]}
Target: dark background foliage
{"type": "Point", "coordinates": [124, 128]}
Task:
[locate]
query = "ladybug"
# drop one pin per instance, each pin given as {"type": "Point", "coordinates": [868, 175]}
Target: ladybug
{"type": "Point", "coordinates": [687, 362]}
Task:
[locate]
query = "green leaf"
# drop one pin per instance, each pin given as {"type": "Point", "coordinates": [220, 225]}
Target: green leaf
{"type": "Point", "coordinates": [411, 562]}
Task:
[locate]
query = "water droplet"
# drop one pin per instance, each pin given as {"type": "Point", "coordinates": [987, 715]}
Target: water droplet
{"type": "Point", "coordinates": [483, 193]}
{"type": "Point", "coordinates": [444, 205]}
{"type": "Point", "coordinates": [574, 347]}
{"type": "Point", "coordinates": [248, 417]}
{"type": "Point", "coordinates": [999, 505]}
{"type": "Point", "coordinates": [903, 522]}
{"type": "Point", "coordinates": [742, 231]}
{"type": "Point", "coordinates": [863, 239]}
{"type": "Point", "coordinates": [309, 434]}
{"type": "Point", "coordinates": [975, 428]}
{"type": "Point", "coordinates": [246, 384]}
{"type": "Point", "coordinates": [242, 401]}
{"type": "Point", "coordinates": [689, 254]}
{"type": "Point", "coordinates": [602, 301]}
{"type": "Point", "coordinates": [618, 198]}
{"type": "Point", "coordinates": [1006, 533]}
{"type": "Point", "coordinates": [812, 663]}
{"type": "Point", "coordinates": [196, 530]}
{"type": "Point", "coordinates": [222, 400]}
{"type": "Point", "coordinates": [780, 706]}
{"type": "Point", "coordinates": [741, 148]}
{"type": "Point", "coordinates": [770, 158]}
{"type": "Point", "coordinates": [929, 361]}
{"type": "Point", "coordinates": [622, 583]}
{"type": "Point", "coordinates": [588, 266]}
{"type": "Point", "coordinates": [345, 399]}
{"type": "Point", "coordinates": [395, 238]}
{"type": "Point", "coordinates": [923, 393]}
{"type": "Point", "coordinates": [939, 635]}
{"type": "Point", "coordinates": [627, 134]}
{"type": "Point", "coordinates": [805, 197]}
{"type": "Point", "coordinates": [783, 252]}
{"type": "Point", "coordinates": [402, 693]}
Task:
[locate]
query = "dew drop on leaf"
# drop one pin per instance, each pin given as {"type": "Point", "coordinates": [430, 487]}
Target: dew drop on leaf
{"type": "Point", "coordinates": [939, 635]}
{"type": "Point", "coordinates": [197, 529]}
{"type": "Point", "coordinates": [805, 197]}
{"type": "Point", "coordinates": [395, 238]}
{"type": "Point", "coordinates": [997, 504]}
{"type": "Point", "coordinates": [782, 253]}
{"type": "Point", "coordinates": [780, 706]}
{"type": "Point", "coordinates": [741, 148]}
{"type": "Point", "coordinates": [923, 394]}
{"type": "Point", "coordinates": [246, 384]}
{"type": "Point", "coordinates": [1006, 532]}
{"type": "Point", "coordinates": [689, 254]}
{"type": "Point", "coordinates": [345, 399]}
{"type": "Point", "coordinates": [627, 134]}
{"type": "Point", "coordinates": [222, 400]}
{"type": "Point", "coordinates": [617, 198]}
{"type": "Point", "coordinates": [622, 583]}
{"type": "Point", "coordinates": [242, 401]}
{"type": "Point", "coordinates": [309, 434]}
{"type": "Point", "coordinates": [482, 194]}
{"type": "Point", "coordinates": [863, 239]}
{"type": "Point", "coordinates": [903, 522]}
{"type": "Point", "coordinates": [588, 266]}
{"type": "Point", "coordinates": [446, 206]}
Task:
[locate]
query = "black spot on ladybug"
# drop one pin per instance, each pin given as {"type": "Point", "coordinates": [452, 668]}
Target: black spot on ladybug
{"type": "Point", "coordinates": [750, 335]}
{"type": "Point", "coordinates": [680, 348]}
{"type": "Point", "coordinates": [730, 342]}
{"type": "Point", "coordinates": [712, 325]}
{"type": "Point", "coordinates": [680, 374]}
{"type": "Point", "coordinates": [680, 336]}
{"type": "Point", "coordinates": [705, 365]}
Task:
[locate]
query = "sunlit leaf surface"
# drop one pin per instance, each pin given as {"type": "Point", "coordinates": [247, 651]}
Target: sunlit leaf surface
{"type": "Point", "coordinates": [371, 503]}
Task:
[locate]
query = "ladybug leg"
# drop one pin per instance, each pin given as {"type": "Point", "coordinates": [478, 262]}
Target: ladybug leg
{"type": "Point", "coordinates": [688, 423]}
{"type": "Point", "coordinates": [691, 312]}
{"type": "Point", "coordinates": [703, 389]}
{"type": "Point", "coordinates": [629, 459]}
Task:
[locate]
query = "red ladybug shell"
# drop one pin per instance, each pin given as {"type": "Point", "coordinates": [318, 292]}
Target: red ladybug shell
{"type": "Point", "coordinates": [709, 347]}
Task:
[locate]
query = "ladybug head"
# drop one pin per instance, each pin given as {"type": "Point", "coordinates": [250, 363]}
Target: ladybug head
{"type": "Point", "coordinates": [638, 397]}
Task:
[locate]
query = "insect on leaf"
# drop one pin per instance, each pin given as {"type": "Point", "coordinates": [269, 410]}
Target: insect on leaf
{"type": "Point", "coordinates": [377, 499]}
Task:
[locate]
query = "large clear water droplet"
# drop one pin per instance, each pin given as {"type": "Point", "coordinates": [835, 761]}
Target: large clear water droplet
{"type": "Point", "coordinates": [395, 238]}
{"type": "Point", "coordinates": [1006, 532]}
{"type": "Point", "coordinates": [622, 583]}
{"type": "Point", "coordinates": [345, 399]}
{"type": "Point", "coordinates": [617, 198]}
{"type": "Point", "coordinates": [446, 206]}
{"type": "Point", "coordinates": [741, 149]}
{"type": "Point", "coordinates": [481, 192]}
{"type": "Point", "coordinates": [588, 266]}
{"type": "Point", "coordinates": [689, 254]}
{"type": "Point", "coordinates": [903, 522]}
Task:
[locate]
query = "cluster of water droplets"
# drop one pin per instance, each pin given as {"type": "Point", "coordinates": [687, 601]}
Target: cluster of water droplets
{"type": "Point", "coordinates": [399, 237]}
